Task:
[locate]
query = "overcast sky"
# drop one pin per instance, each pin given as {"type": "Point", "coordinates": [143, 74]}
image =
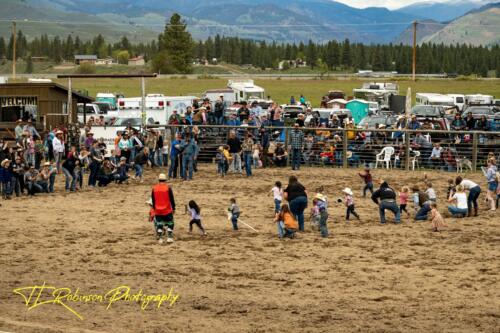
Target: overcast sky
{"type": "Point", "coordinates": [392, 4]}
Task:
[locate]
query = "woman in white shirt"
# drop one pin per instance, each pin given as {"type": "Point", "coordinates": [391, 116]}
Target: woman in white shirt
{"type": "Point", "coordinates": [474, 191]}
{"type": "Point", "coordinates": [460, 198]}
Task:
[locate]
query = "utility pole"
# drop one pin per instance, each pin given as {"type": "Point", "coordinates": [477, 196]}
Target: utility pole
{"type": "Point", "coordinates": [414, 49]}
{"type": "Point", "coordinates": [14, 37]}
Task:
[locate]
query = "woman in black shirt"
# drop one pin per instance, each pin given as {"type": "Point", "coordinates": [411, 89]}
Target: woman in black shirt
{"type": "Point", "coordinates": [296, 195]}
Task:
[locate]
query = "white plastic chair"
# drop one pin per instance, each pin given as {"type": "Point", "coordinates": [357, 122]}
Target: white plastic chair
{"type": "Point", "coordinates": [384, 156]}
{"type": "Point", "coordinates": [414, 159]}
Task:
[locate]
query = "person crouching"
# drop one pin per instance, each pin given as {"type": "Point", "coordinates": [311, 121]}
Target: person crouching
{"type": "Point", "coordinates": [286, 222]}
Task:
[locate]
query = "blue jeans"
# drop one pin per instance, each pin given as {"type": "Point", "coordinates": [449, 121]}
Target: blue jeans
{"type": "Point", "coordinates": [368, 187]}
{"type": "Point", "coordinates": [234, 220]}
{"type": "Point", "coordinates": [6, 188]}
{"type": "Point", "coordinates": [323, 228]}
{"type": "Point", "coordinates": [457, 211]}
{"type": "Point", "coordinates": [94, 169]}
{"type": "Point", "coordinates": [277, 205]}
{"type": "Point", "coordinates": [70, 177]}
{"type": "Point", "coordinates": [422, 212]}
{"type": "Point", "coordinates": [297, 207]}
{"type": "Point", "coordinates": [281, 229]}
{"type": "Point", "coordinates": [393, 207]}
{"type": "Point", "coordinates": [296, 153]}
{"type": "Point", "coordinates": [52, 180]}
{"type": "Point", "coordinates": [187, 163]}
{"type": "Point", "coordinates": [472, 197]}
{"type": "Point", "coordinates": [247, 157]}
{"type": "Point", "coordinates": [151, 157]}
{"type": "Point", "coordinates": [172, 171]}
{"type": "Point", "coordinates": [219, 120]}
{"type": "Point", "coordinates": [138, 170]}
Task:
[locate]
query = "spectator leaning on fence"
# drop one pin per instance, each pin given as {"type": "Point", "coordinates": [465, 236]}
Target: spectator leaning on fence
{"type": "Point", "coordinates": [297, 144]}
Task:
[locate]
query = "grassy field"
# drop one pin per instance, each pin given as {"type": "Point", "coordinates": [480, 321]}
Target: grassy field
{"type": "Point", "coordinates": [279, 90]}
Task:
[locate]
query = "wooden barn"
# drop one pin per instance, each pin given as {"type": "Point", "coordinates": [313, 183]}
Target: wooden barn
{"type": "Point", "coordinates": [46, 104]}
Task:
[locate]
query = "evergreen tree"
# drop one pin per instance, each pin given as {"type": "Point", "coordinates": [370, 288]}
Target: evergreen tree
{"type": "Point", "coordinates": [29, 65]}
{"type": "Point", "coordinates": [346, 54]}
{"type": "Point", "coordinates": [311, 54]}
{"type": "Point", "coordinates": [3, 48]}
{"type": "Point", "coordinates": [176, 44]}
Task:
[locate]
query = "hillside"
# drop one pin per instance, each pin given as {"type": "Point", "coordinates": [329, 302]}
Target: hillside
{"type": "Point", "coordinates": [442, 11]}
{"type": "Point", "coordinates": [476, 28]}
{"type": "Point", "coordinates": [424, 28]}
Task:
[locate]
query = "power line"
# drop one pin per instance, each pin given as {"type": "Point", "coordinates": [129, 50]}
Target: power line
{"type": "Point", "coordinates": [408, 23]}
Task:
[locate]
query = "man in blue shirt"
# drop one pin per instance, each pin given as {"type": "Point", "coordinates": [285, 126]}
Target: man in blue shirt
{"type": "Point", "coordinates": [188, 154]}
{"type": "Point", "coordinates": [175, 154]}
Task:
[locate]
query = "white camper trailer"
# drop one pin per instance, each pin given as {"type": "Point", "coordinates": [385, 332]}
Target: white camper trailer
{"type": "Point", "coordinates": [479, 99]}
{"type": "Point", "coordinates": [158, 107]}
{"type": "Point", "coordinates": [458, 101]}
{"type": "Point", "coordinates": [378, 92]}
{"type": "Point", "coordinates": [246, 90]}
{"type": "Point", "coordinates": [434, 99]}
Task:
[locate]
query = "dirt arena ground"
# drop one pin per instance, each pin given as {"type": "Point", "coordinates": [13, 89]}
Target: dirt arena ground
{"type": "Point", "coordinates": [364, 278]}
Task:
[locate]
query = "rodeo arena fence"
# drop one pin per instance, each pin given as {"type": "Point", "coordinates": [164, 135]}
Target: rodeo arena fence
{"type": "Point", "coordinates": [352, 148]}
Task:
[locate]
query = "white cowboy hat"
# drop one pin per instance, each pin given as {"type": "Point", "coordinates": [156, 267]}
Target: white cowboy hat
{"type": "Point", "coordinates": [349, 154]}
{"type": "Point", "coordinates": [347, 190]}
{"type": "Point", "coordinates": [162, 176]}
{"type": "Point", "coordinates": [320, 196]}
{"type": "Point", "coordinates": [5, 162]}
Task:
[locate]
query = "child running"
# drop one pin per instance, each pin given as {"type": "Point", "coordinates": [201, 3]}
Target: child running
{"type": "Point", "coordinates": [277, 191]}
{"type": "Point", "coordinates": [403, 199]}
{"type": "Point", "coordinates": [222, 162]}
{"type": "Point", "coordinates": [437, 220]}
{"type": "Point", "coordinates": [349, 203]}
{"type": "Point", "coordinates": [234, 213]}
{"type": "Point", "coordinates": [430, 192]}
{"type": "Point", "coordinates": [195, 211]}
{"type": "Point", "coordinates": [322, 204]}
{"type": "Point", "coordinates": [367, 178]}
{"type": "Point", "coordinates": [315, 216]}
{"type": "Point", "coordinates": [286, 222]}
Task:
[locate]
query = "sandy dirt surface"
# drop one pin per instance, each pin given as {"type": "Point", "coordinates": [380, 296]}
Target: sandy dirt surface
{"type": "Point", "coordinates": [365, 278]}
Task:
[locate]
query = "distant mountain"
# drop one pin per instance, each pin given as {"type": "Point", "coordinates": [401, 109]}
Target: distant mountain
{"type": "Point", "coordinates": [479, 27]}
{"type": "Point", "coordinates": [442, 11]}
{"type": "Point", "coordinates": [271, 20]}
{"type": "Point", "coordinates": [42, 16]}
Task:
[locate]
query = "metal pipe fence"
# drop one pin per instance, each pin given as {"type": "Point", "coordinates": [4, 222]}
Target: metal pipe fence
{"type": "Point", "coordinates": [353, 147]}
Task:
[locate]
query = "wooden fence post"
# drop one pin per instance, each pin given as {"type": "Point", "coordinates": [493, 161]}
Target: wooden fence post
{"type": "Point", "coordinates": [474, 151]}
{"type": "Point", "coordinates": [407, 150]}
{"type": "Point", "coordinates": [344, 149]}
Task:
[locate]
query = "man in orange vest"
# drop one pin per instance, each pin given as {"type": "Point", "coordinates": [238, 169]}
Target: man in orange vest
{"type": "Point", "coordinates": [163, 203]}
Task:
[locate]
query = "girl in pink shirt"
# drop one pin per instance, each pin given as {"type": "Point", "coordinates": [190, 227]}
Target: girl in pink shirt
{"type": "Point", "coordinates": [403, 200]}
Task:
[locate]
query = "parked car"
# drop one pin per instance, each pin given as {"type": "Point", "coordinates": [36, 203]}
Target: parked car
{"type": "Point", "coordinates": [89, 110]}
{"type": "Point", "coordinates": [292, 111]}
{"type": "Point", "coordinates": [388, 120]}
{"type": "Point", "coordinates": [478, 111]}
{"type": "Point", "coordinates": [427, 111]}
